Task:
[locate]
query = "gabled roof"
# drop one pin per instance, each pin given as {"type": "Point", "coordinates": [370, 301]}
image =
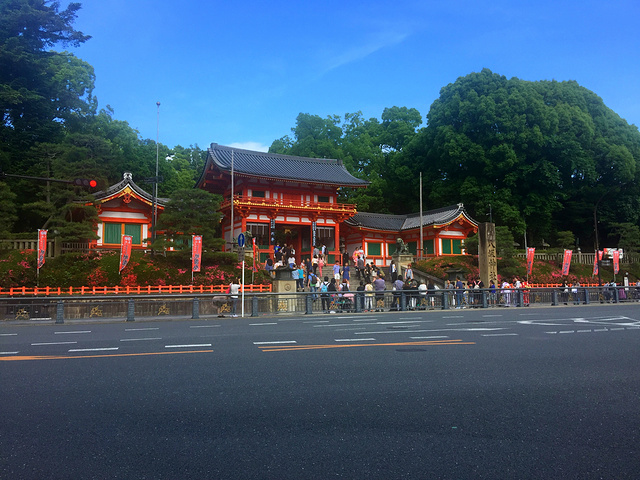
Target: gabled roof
{"type": "Point", "coordinates": [127, 181]}
{"type": "Point", "coordinates": [280, 167]}
{"type": "Point", "coordinates": [398, 223]}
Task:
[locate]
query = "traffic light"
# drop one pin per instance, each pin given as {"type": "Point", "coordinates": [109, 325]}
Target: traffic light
{"type": "Point", "coordinates": [85, 182]}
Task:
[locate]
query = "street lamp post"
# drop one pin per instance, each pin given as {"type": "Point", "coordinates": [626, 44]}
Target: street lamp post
{"type": "Point", "coordinates": [595, 226]}
{"type": "Point", "coordinates": [154, 216]}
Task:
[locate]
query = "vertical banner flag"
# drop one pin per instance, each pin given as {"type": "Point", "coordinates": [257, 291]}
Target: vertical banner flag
{"type": "Point", "coordinates": [598, 256]}
{"type": "Point", "coordinates": [530, 256]}
{"type": "Point", "coordinates": [196, 252]}
{"type": "Point", "coordinates": [314, 232]}
{"type": "Point", "coordinates": [125, 251]}
{"type": "Point", "coordinates": [566, 263]}
{"type": "Point", "coordinates": [616, 262]}
{"type": "Point", "coordinates": [42, 247]}
{"type": "Point", "coordinates": [253, 243]}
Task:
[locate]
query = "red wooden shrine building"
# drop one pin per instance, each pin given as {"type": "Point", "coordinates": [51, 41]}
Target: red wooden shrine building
{"type": "Point", "coordinates": [124, 209]}
{"type": "Point", "coordinates": [294, 200]}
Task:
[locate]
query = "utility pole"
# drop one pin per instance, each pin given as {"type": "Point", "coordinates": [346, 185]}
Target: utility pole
{"type": "Point", "coordinates": [154, 214]}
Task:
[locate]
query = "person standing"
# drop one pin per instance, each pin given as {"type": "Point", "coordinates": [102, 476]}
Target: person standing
{"type": "Point", "coordinates": [431, 289]}
{"type": "Point", "coordinates": [398, 286]}
{"type": "Point", "coordinates": [324, 295]}
{"type": "Point", "coordinates": [333, 290]}
{"type": "Point", "coordinates": [346, 271]}
{"type": "Point", "coordinates": [336, 271]}
{"type": "Point", "coordinates": [449, 293]}
{"type": "Point", "coordinates": [459, 293]}
{"type": "Point", "coordinates": [312, 280]}
{"type": "Point", "coordinates": [393, 270]}
{"type": "Point", "coordinates": [301, 278]}
{"type": "Point", "coordinates": [368, 297]}
{"type": "Point", "coordinates": [408, 273]}
{"type": "Point", "coordinates": [360, 294]}
{"type": "Point", "coordinates": [234, 288]}
{"type": "Point", "coordinates": [360, 267]}
{"type": "Point", "coordinates": [367, 273]}
{"type": "Point", "coordinates": [379, 286]}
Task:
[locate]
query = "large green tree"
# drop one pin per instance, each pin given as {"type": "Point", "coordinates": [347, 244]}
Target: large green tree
{"type": "Point", "coordinates": [370, 149]}
{"type": "Point", "coordinates": [40, 89]}
{"type": "Point", "coordinates": [539, 154]}
{"type": "Point", "coordinates": [190, 212]}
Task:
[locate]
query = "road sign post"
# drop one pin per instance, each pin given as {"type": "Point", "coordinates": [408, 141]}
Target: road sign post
{"type": "Point", "coordinates": [241, 254]}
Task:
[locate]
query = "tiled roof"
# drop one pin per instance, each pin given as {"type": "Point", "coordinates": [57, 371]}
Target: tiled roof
{"type": "Point", "coordinates": [283, 167]}
{"type": "Point", "coordinates": [398, 223]}
{"type": "Point", "coordinates": [127, 180]}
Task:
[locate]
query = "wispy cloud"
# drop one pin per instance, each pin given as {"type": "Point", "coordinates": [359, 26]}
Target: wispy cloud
{"type": "Point", "coordinates": [359, 52]}
{"type": "Point", "coordinates": [255, 146]}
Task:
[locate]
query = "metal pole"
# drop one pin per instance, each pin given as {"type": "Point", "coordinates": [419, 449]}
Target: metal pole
{"type": "Point", "coordinates": [243, 282]}
{"type": "Point", "coordinates": [154, 215]}
{"type": "Point", "coordinates": [232, 202]}
{"type": "Point", "coordinates": [421, 229]}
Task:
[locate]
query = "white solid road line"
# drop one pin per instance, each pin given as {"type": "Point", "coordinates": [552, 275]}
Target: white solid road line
{"type": "Point", "coordinates": [52, 343]}
{"type": "Point", "coordinates": [188, 346]}
{"type": "Point", "coordinates": [353, 339]}
{"type": "Point", "coordinates": [139, 339]}
{"type": "Point", "coordinates": [499, 334]}
{"type": "Point", "coordinates": [275, 342]}
{"type": "Point", "coordinates": [93, 349]}
{"type": "Point", "coordinates": [72, 331]}
{"type": "Point", "coordinates": [427, 338]}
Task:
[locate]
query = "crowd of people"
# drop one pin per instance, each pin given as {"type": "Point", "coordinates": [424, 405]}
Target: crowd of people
{"type": "Point", "coordinates": [332, 284]}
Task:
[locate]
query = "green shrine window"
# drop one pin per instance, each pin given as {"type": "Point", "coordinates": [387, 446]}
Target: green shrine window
{"type": "Point", "coordinates": [113, 233]}
{"type": "Point", "coordinates": [133, 230]}
{"type": "Point", "coordinates": [451, 246]}
{"type": "Point", "coordinates": [374, 249]}
{"type": "Point", "coordinates": [428, 247]}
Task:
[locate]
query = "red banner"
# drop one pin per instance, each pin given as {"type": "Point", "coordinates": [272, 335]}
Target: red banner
{"type": "Point", "coordinates": [531, 252]}
{"type": "Point", "coordinates": [42, 247]}
{"type": "Point", "coordinates": [196, 252]}
{"type": "Point", "coordinates": [616, 262]}
{"type": "Point", "coordinates": [598, 256]}
{"type": "Point", "coordinates": [253, 240]}
{"type": "Point", "coordinates": [125, 251]}
{"type": "Point", "coordinates": [566, 263]}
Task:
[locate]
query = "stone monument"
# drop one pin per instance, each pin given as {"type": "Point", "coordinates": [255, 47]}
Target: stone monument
{"type": "Point", "coordinates": [487, 257]}
{"type": "Point", "coordinates": [402, 256]}
{"type": "Point", "coordinates": [284, 283]}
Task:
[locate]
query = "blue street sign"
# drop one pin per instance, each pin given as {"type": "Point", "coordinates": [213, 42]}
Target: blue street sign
{"type": "Point", "coordinates": [241, 240]}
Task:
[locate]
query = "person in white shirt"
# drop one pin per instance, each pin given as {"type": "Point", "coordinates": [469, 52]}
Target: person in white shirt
{"type": "Point", "coordinates": [234, 288]}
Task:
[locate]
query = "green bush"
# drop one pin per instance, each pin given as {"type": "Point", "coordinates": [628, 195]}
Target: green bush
{"type": "Point", "coordinates": [100, 268]}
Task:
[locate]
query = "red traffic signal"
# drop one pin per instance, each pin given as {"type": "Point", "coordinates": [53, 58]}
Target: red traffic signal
{"type": "Point", "coordinates": [85, 182]}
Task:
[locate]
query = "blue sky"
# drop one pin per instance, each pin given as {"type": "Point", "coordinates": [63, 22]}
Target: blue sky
{"type": "Point", "coordinates": [238, 73]}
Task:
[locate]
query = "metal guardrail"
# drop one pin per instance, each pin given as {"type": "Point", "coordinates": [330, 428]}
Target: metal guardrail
{"type": "Point", "coordinates": [156, 307]}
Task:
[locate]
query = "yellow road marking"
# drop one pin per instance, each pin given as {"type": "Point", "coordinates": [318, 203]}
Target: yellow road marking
{"type": "Point", "coordinates": [65, 357]}
{"type": "Point", "coordinates": [404, 344]}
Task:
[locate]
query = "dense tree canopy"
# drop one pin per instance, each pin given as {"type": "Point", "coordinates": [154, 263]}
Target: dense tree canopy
{"type": "Point", "coordinates": [190, 212]}
{"type": "Point", "coordinates": [540, 153]}
{"type": "Point", "coordinates": [542, 156]}
{"type": "Point", "coordinates": [50, 127]}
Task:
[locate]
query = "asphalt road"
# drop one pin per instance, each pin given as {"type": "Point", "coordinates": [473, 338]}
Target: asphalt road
{"type": "Point", "coordinates": [508, 393]}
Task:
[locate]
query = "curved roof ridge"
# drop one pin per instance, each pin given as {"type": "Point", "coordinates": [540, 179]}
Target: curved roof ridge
{"type": "Point", "coordinates": [127, 180]}
{"type": "Point", "coordinates": [282, 167]}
